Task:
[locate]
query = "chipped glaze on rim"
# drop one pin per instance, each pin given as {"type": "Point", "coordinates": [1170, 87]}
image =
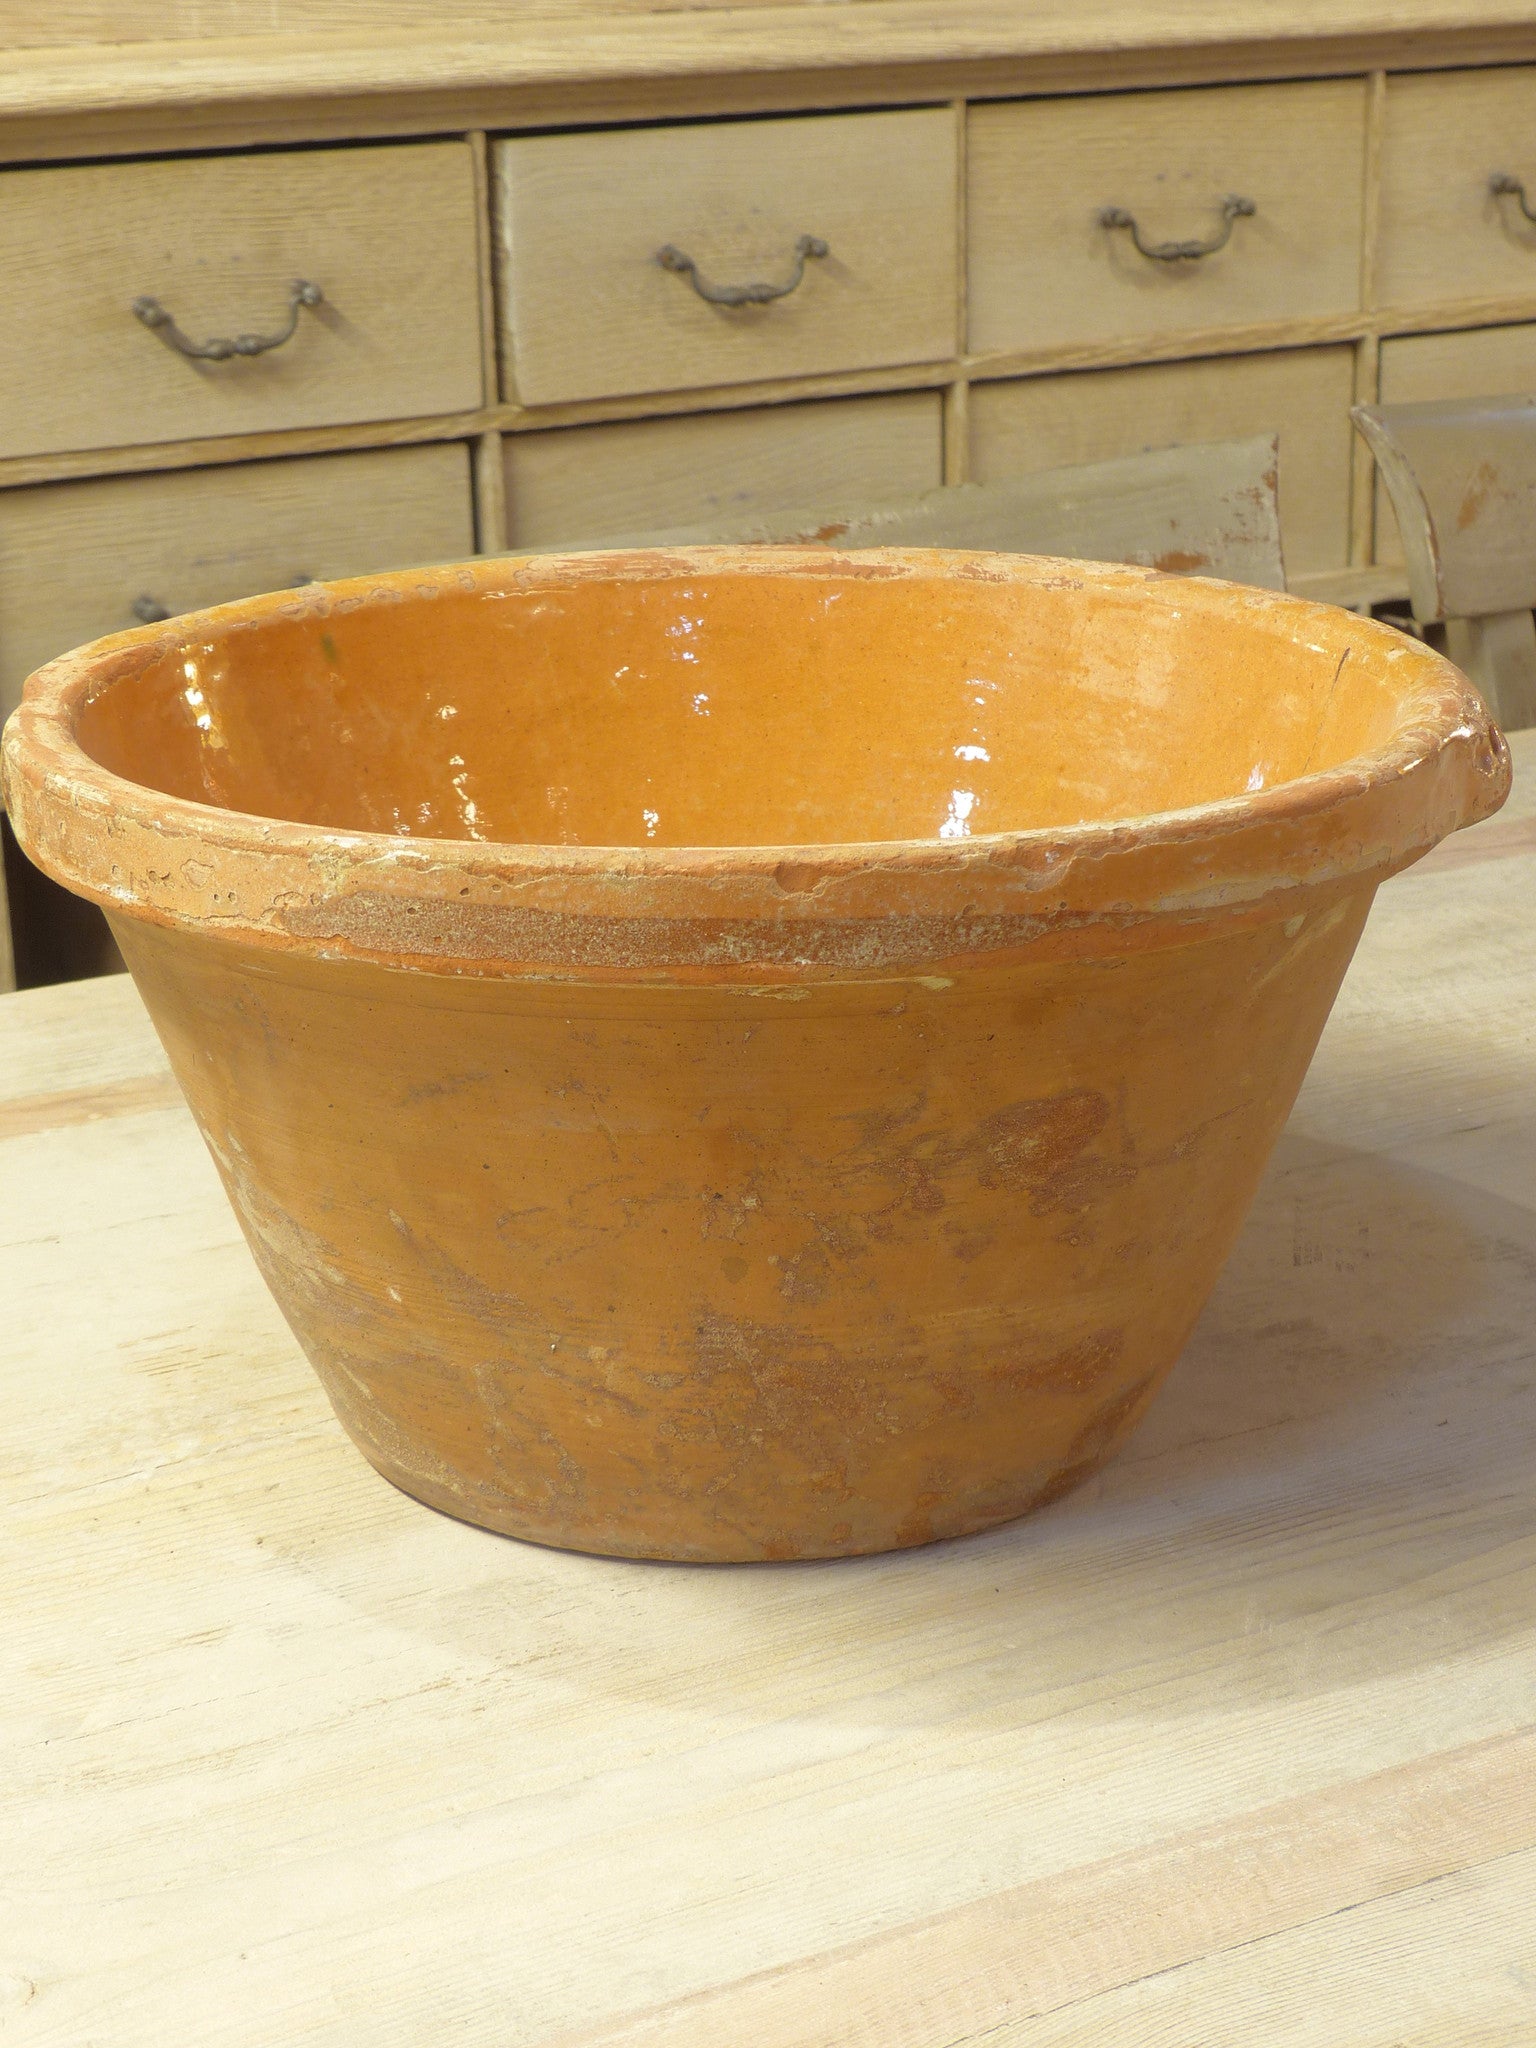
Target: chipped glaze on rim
{"type": "Point", "coordinates": [759, 913]}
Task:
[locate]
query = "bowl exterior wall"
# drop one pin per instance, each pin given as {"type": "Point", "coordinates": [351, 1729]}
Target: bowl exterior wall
{"type": "Point", "coordinates": [725, 1273]}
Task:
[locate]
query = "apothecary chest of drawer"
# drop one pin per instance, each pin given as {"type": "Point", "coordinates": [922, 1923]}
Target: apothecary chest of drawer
{"type": "Point", "coordinates": [290, 336]}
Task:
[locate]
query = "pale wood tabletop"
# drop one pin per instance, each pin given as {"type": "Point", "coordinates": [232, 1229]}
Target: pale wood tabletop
{"type": "Point", "coordinates": [1235, 1746]}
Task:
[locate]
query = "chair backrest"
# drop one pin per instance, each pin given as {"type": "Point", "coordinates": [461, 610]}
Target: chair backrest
{"type": "Point", "coordinates": [1462, 479]}
{"type": "Point", "coordinates": [1210, 509]}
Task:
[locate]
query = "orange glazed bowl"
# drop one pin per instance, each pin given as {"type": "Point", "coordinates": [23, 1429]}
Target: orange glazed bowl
{"type": "Point", "coordinates": [744, 1053]}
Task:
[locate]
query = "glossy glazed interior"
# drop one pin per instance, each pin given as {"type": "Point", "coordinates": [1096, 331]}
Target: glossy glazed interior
{"type": "Point", "coordinates": [701, 706]}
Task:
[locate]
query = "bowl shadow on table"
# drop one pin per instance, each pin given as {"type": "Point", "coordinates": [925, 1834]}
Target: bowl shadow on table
{"type": "Point", "coordinates": [1334, 1483]}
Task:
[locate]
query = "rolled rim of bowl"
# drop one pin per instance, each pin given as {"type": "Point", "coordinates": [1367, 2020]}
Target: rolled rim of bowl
{"type": "Point", "coordinates": [739, 912]}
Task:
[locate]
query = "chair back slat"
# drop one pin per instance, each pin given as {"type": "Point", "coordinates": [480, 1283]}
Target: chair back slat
{"type": "Point", "coordinates": [1462, 480]}
{"type": "Point", "coordinates": [1208, 509]}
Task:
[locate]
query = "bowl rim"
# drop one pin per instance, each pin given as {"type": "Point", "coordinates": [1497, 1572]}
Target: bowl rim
{"type": "Point", "coordinates": [1446, 765]}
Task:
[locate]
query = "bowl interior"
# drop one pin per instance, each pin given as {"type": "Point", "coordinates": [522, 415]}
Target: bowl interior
{"type": "Point", "coordinates": [720, 706]}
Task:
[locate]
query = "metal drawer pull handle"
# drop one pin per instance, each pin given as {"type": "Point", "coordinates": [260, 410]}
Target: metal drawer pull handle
{"type": "Point", "coordinates": [1501, 182]}
{"type": "Point", "coordinates": [741, 294]}
{"type": "Point", "coordinates": [1232, 209]}
{"type": "Point", "coordinates": [222, 347]}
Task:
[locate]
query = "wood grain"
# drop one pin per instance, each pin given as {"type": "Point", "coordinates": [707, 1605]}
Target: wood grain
{"type": "Point", "coordinates": [485, 263]}
{"type": "Point", "coordinates": [985, 46]}
{"type": "Point", "coordinates": [81, 23]}
{"type": "Point", "coordinates": [24, 1114]}
{"type": "Point", "coordinates": [1443, 233]}
{"type": "Point", "coordinates": [291, 1758]}
{"type": "Point", "coordinates": [957, 431]}
{"type": "Point", "coordinates": [1206, 509]}
{"type": "Point", "coordinates": [1462, 479]}
{"type": "Point", "coordinates": [1488, 363]}
{"type": "Point", "coordinates": [1498, 653]}
{"type": "Point", "coordinates": [1303, 396]}
{"type": "Point", "coordinates": [1040, 1949]}
{"type": "Point", "coordinates": [1358, 588]}
{"type": "Point", "coordinates": [34, 24]}
{"type": "Point", "coordinates": [584, 484]}
{"type": "Point", "coordinates": [1362, 531]}
{"type": "Point", "coordinates": [957, 396]}
{"type": "Point", "coordinates": [389, 235]}
{"type": "Point", "coordinates": [490, 495]}
{"type": "Point", "coordinates": [589, 312]}
{"type": "Point", "coordinates": [1441, 322]}
{"type": "Point", "coordinates": [74, 558]}
{"type": "Point", "coordinates": [1500, 839]}
{"type": "Point", "coordinates": [1045, 271]}
{"type": "Point", "coordinates": [1491, 362]}
{"type": "Point", "coordinates": [7, 947]}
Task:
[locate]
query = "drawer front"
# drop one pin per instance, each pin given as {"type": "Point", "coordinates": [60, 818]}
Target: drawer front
{"type": "Point", "coordinates": [387, 234]}
{"type": "Point", "coordinates": [580, 485]}
{"type": "Point", "coordinates": [1303, 395]}
{"type": "Point", "coordinates": [1444, 234]}
{"type": "Point", "coordinates": [1491, 362]}
{"type": "Point", "coordinates": [76, 558]}
{"type": "Point", "coordinates": [1047, 271]}
{"type": "Point", "coordinates": [588, 309]}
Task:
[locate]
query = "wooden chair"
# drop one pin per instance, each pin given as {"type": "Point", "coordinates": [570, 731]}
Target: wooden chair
{"type": "Point", "coordinates": [1462, 480]}
{"type": "Point", "coordinates": [1209, 509]}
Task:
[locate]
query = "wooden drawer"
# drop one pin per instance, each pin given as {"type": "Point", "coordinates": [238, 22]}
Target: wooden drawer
{"type": "Point", "coordinates": [76, 558]}
{"type": "Point", "coordinates": [589, 311]}
{"type": "Point", "coordinates": [1046, 272]}
{"type": "Point", "coordinates": [579, 485]}
{"type": "Point", "coordinates": [1444, 234]}
{"type": "Point", "coordinates": [1301, 394]}
{"type": "Point", "coordinates": [1490, 362]}
{"type": "Point", "coordinates": [388, 234]}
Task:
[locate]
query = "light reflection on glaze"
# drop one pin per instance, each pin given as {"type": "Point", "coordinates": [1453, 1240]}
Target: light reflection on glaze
{"type": "Point", "coordinates": [469, 816]}
{"type": "Point", "coordinates": [806, 747]}
{"type": "Point", "coordinates": [427, 817]}
{"type": "Point", "coordinates": [463, 815]}
{"type": "Point", "coordinates": [956, 823]}
{"type": "Point", "coordinates": [684, 628]}
{"type": "Point", "coordinates": [200, 699]}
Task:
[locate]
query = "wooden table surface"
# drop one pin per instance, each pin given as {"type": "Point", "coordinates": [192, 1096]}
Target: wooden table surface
{"type": "Point", "coordinates": [1237, 1745]}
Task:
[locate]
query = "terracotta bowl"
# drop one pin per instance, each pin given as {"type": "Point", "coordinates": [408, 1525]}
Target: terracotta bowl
{"type": "Point", "coordinates": [744, 1053]}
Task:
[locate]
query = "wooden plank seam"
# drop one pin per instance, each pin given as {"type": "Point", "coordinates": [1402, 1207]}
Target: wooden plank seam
{"type": "Point", "coordinates": [1055, 1941]}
